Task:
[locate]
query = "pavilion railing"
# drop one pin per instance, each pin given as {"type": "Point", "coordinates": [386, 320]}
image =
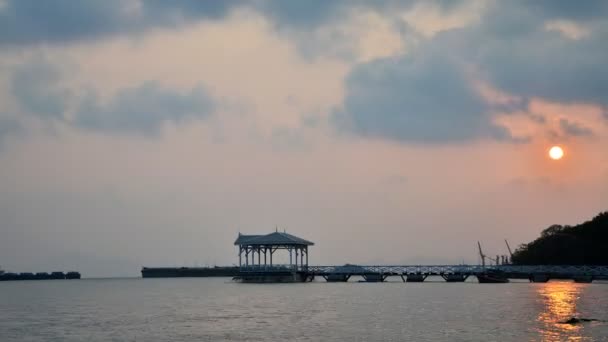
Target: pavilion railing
{"type": "Point", "coordinates": [273, 268]}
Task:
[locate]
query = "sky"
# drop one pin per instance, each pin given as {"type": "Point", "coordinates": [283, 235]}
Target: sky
{"type": "Point", "coordinates": [150, 133]}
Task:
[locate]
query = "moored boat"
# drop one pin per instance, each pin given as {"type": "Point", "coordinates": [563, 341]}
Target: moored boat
{"type": "Point", "coordinates": [492, 278]}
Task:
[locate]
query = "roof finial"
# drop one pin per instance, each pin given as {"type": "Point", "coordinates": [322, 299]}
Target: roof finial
{"type": "Point", "coordinates": [276, 229]}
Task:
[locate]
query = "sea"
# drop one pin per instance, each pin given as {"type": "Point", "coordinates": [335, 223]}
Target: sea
{"type": "Point", "coordinates": [218, 309]}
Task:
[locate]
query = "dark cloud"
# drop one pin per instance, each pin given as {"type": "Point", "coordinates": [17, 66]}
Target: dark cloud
{"type": "Point", "coordinates": [31, 21]}
{"type": "Point", "coordinates": [426, 96]}
{"type": "Point", "coordinates": [302, 14]}
{"type": "Point", "coordinates": [34, 85]}
{"type": "Point", "coordinates": [63, 21]}
{"type": "Point", "coordinates": [544, 64]}
{"type": "Point", "coordinates": [308, 15]}
{"type": "Point", "coordinates": [143, 110]}
{"type": "Point", "coordinates": [518, 55]}
{"type": "Point", "coordinates": [8, 126]}
{"type": "Point", "coordinates": [574, 129]}
{"type": "Point", "coordinates": [60, 21]}
{"type": "Point", "coordinates": [565, 9]}
{"type": "Point", "coordinates": [313, 13]}
{"type": "Point", "coordinates": [423, 97]}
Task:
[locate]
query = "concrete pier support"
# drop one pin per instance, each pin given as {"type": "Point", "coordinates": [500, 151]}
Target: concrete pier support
{"type": "Point", "coordinates": [455, 277]}
{"type": "Point", "coordinates": [539, 278]}
{"type": "Point", "coordinates": [337, 278]}
{"type": "Point", "coordinates": [374, 277]}
{"type": "Point", "coordinates": [415, 278]}
{"type": "Point", "coordinates": [583, 278]}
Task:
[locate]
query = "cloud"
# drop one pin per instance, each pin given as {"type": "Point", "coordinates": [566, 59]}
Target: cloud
{"type": "Point", "coordinates": [566, 9]}
{"type": "Point", "coordinates": [574, 129]}
{"type": "Point", "coordinates": [521, 57]}
{"type": "Point", "coordinates": [7, 127]}
{"type": "Point", "coordinates": [143, 109]}
{"type": "Point", "coordinates": [25, 22]}
{"type": "Point", "coordinates": [60, 21]}
{"type": "Point", "coordinates": [568, 29]}
{"type": "Point", "coordinates": [348, 29]}
{"type": "Point", "coordinates": [426, 96]}
{"type": "Point", "coordinates": [550, 67]}
{"type": "Point", "coordinates": [421, 97]}
{"type": "Point", "coordinates": [39, 90]}
{"type": "Point", "coordinates": [310, 14]}
{"type": "Point", "coordinates": [35, 86]}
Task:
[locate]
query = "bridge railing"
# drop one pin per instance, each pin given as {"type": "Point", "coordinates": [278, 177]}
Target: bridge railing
{"type": "Point", "coordinates": [459, 269]}
{"type": "Point", "coordinates": [396, 269]}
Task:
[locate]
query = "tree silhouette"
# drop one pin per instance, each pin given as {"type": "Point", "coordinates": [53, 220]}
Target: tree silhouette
{"type": "Point", "coordinates": [583, 244]}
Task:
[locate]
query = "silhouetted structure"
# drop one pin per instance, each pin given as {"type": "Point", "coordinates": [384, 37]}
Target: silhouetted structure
{"type": "Point", "coordinates": [256, 257]}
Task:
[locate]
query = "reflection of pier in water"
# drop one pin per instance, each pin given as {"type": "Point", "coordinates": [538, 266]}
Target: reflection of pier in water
{"type": "Point", "coordinates": [256, 264]}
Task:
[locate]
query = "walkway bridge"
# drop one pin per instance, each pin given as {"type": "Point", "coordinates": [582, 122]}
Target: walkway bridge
{"type": "Point", "coordinates": [456, 273]}
{"type": "Point", "coordinates": [419, 273]}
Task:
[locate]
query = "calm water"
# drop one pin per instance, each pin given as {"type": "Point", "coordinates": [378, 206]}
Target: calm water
{"type": "Point", "coordinates": [207, 309]}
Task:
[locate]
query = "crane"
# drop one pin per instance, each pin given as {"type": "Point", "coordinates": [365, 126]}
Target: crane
{"type": "Point", "coordinates": [483, 256]}
{"type": "Point", "coordinates": [509, 248]}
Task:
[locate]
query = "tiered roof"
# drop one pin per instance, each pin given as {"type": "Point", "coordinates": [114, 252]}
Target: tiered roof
{"type": "Point", "coordinates": [276, 238]}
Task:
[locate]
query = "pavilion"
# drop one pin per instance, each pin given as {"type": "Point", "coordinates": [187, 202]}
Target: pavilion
{"type": "Point", "coordinates": [256, 257]}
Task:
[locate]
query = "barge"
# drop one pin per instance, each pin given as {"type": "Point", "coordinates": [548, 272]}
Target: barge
{"type": "Point", "coordinates": [7, 276]}
{"type": "Point", "coordinates": [183, 272]}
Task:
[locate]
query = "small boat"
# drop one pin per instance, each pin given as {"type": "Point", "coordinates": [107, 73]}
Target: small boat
{"type": "Point", "coordinates": [492, 278]}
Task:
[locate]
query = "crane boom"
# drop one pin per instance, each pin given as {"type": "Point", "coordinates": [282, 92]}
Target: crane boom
{"type": "Point", "coordinates": [509, 248]}
{"type": "Point", "coordinates": [483, 257]}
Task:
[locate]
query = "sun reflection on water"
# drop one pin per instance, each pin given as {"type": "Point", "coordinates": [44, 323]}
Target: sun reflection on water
{"type": "Point", "coordinates": [559, 300]}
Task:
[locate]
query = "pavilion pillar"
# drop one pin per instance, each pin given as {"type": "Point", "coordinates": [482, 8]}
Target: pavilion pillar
{"type": "Point", "coordinates": [240, 253]}
{"type": "Point", "coordinates": [247, 256]}
{"type": "Point", "coordinates": [296, 250]}
{"type": "Point", "coordinates": [265, 250]}
{"type": "Point", "coordinates": [301, 256]}
{"type": "Point", "coordinates": [290, 261]}
{"type": "Point", "coordinates": [306, 256]}
{"type": "Point", "coordinates": [271, 252]}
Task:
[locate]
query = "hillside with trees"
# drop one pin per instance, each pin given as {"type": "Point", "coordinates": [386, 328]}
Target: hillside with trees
{"type": "Point", "coordinates": [583, 244]}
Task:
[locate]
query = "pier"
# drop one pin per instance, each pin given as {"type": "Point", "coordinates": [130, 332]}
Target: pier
{"type": "Point", "coordinates": [256, 266]}
{"type": "Point", "coordinates": [460, 273]}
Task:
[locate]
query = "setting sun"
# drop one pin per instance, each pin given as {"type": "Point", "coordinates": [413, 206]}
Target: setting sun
{"type": "Point", "coordinates": [556, 153]}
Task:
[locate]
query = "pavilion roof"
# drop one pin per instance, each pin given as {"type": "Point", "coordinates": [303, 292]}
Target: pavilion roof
{"type": "Point", "coordinates": [275, 238]}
